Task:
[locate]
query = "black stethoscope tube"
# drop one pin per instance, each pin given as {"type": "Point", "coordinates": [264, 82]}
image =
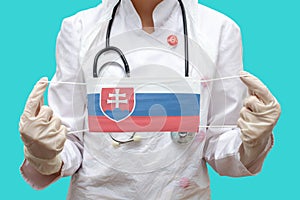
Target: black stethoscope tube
{"type": "Point", "coordinates": [108, 31]}
{"type": "Point", "coordinates": [110, 48]}
{"type": "Point", "coordinates": [186, 43]}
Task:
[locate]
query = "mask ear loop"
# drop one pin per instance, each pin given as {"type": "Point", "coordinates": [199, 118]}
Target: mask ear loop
{"type": "Point", "coordinates": [200, 81]}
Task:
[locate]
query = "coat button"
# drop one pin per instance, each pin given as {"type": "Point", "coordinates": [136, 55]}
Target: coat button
{"type": "Point", "coordinates": [200, 136]}
{"type": "Point", "coordinates": [204, 82]}
{"type": "Point", "coordinates": [172, 40]}
{"type": "Point", "coordinates": [184, 182]}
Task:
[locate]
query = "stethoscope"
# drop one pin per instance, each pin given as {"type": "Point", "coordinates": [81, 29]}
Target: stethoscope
{"type": "Point", "coordinates": [178, 137]}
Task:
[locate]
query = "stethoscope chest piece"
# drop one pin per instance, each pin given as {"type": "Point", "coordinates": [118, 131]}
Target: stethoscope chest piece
{"type": "Point", "coordinates": [182, 137]}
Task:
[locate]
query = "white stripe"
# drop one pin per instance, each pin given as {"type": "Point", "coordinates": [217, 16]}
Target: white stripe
{"type": "Point", "coordinates": [146, 85]}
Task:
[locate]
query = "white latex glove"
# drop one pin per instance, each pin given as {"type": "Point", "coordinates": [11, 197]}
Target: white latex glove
{"type": "Point", "coordinates": [42, 133]}
{"type": "Point", "coordinates": [257, 118]}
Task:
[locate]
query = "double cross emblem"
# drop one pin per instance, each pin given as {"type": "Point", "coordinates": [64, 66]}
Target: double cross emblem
{"type": "Point", "coordinates": [117, 99]}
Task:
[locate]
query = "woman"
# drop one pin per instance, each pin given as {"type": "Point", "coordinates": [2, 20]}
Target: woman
{"type": "Point", "coordinates": [147, 170]}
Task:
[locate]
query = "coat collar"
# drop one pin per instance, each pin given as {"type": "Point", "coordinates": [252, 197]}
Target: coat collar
{"type": "Point", "coordinates": [162, 12]}
{"type": "Point", "coordinates": [113, 2]}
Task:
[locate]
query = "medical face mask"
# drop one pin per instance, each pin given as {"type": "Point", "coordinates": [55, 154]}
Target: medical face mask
{"type": "Point", "coordinates": [143, 104]}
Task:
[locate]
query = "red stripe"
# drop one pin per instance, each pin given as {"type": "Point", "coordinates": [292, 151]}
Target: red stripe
{"type": "Point", "coordinates": [145, 124]}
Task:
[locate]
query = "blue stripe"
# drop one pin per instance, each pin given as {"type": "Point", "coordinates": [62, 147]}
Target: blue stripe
{"type": "Point", "coordinates": [155, 104]}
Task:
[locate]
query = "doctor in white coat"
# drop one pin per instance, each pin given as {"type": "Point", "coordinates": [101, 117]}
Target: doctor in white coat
{"type": "Point", "coordinates": [147, 169]}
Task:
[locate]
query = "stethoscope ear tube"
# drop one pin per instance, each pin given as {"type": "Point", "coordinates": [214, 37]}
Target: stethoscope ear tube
{"type": "Point", "coordinates": [110, 23]}
{"type": "Point", "coordinates": [186, 43]}
{"type": "Point", "coordinates": [110, 48]}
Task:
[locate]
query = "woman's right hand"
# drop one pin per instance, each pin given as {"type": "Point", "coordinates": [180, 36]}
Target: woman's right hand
{"type": "Point", "coordinates": [42, 133]}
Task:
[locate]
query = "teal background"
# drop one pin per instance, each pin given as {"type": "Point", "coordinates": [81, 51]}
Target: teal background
{"type": "Point", "coordinates": [270, 30]}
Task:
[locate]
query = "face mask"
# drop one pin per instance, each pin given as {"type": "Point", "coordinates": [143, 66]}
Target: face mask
{"type": "Point", "coordinates": [143, 105]}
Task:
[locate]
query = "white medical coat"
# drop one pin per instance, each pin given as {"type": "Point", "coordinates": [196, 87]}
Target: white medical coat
{"type": "Point", "coordinates": [155, 168]}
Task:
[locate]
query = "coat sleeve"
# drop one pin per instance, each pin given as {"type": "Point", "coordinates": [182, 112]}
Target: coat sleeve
{"type": "Point", "coordinates": [221, 150]}
{"type": "Point", "coordinates": [67, 102]}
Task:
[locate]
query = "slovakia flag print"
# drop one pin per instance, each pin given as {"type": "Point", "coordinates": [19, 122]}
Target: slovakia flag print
{"type": "Point", "coordinates": [135, 105]}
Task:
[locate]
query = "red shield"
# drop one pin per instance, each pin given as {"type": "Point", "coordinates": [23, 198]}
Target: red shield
{"type": "Point", "coordinates": [117, 103]}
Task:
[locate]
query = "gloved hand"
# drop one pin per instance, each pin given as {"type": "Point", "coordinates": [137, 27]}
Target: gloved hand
{"type": "Point", "coordinates": [42, 133]}
{"type": "Point", "coordinates": [257, 118]}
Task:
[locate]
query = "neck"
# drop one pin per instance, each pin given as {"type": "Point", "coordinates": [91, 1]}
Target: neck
{"type": "Point", "coordinates": [145, 10]}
